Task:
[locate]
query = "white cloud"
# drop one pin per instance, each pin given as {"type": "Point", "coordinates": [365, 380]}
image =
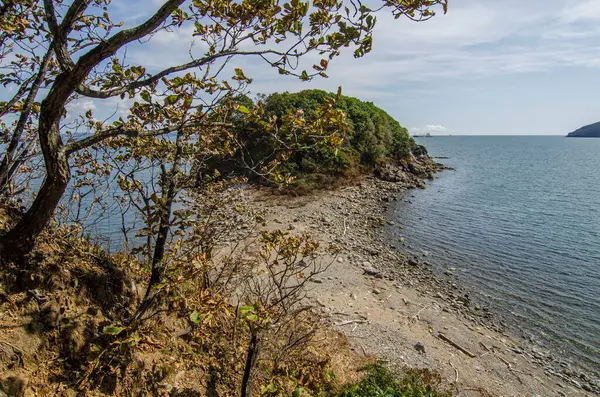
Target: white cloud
{"type": "Point", "coordinates": [80, 106]}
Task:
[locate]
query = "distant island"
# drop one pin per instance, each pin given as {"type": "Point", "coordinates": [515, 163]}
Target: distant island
{"type": "Point", "coordinates": [588, 131]}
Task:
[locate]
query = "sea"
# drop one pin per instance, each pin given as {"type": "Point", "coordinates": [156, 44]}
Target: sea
{"type": "Point", "coordinates": [519, 220]}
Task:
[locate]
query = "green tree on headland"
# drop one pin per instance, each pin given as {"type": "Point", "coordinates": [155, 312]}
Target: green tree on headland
{"type": "Point", "coordinates": [370, 137]}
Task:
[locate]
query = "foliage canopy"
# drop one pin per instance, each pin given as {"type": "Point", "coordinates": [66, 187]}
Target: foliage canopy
{"type": "Point", "coordinates": [370, 136]}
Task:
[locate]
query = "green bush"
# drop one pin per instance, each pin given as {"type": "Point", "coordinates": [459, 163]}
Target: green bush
{"type": "Point", "coordinates": [379, 382]}
{"type": "Point", "coordinates": [373, 135]}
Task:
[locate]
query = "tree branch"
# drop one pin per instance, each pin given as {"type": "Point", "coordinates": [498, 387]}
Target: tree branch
{"type": "Point", "coordinates": [90, 92]}
{"type": "Point", "coordinates": [22, 89]}
{"type": "Point", "coordinates": [113, 44]}
{"type": "Point", "coordinates": [119, 131]}
{"type": "Point", "coordinates": [61, 32]}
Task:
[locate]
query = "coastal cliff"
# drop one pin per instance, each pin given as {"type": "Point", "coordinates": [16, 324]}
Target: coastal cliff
{"type": "Point", "coordinates": [588, 131]}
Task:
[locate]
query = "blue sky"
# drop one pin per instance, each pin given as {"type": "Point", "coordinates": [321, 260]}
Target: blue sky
{"type": "Point", "coordinates": [486, 67]}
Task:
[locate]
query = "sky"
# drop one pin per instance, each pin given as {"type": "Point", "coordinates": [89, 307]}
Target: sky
{"type": "Point", "coordinates": [487, 67]}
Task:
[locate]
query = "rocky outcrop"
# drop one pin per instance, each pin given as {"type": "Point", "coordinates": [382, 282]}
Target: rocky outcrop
{"type": "Point", "coordinates": [412, 172]}
{"type": "Point", "coordinates": [588, 131]}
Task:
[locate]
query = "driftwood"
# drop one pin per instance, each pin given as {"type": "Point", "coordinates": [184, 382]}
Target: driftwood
{"type": "Point", "coordinates": [455, 372]}
{"type": "Point", "coordinates": [350, 322]}
{"type": "Point", "coordinates": [456, 345]}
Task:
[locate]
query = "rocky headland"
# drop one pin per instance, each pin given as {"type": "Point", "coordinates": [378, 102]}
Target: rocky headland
{"type": "Point", "coordinates": [587, 131]}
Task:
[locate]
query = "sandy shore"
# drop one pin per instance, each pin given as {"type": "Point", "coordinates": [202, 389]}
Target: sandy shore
{"type": "Point", "coordinates": [390, 305]}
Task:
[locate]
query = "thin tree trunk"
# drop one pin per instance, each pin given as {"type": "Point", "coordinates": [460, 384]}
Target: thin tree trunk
{"type": "Point", "coordinates": [158, 267]}
{"type": "Point", "coordinates": [9, 164]}
{"type": "Point", "coordinates": [250, 363]}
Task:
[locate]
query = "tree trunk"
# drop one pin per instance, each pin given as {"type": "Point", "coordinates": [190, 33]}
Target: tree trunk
{"type": "Point", "coordinates": [250, 363]}
{"type": "Point", "coordinates": [20, 240]}
{"type": "Point", "coordinates": [9, 163]}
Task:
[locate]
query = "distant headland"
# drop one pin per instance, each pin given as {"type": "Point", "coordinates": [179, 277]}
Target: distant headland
{"type": "Point", "coordinates": [588, 131]}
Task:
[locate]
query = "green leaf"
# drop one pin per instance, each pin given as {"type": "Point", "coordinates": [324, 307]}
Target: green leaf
{"type": "Point", "coordinates": [252, 317]}
{"type": "Point", "coordinates": [171, 99]}
{"type": "Point", "coordinates": [195, 317]}
{"type": "Point", "coordinates": [145, 96]}
{"type": "Point", "coordinates": [246, 309]}
{"type": "Point", "coordinates": [239, 74]}
{"type": "Point", "coordinates": [244, 109]}
{"type": "Point", "coordinates": [113, 330]}
{"type": "Point", "coordinates": [297, 392]}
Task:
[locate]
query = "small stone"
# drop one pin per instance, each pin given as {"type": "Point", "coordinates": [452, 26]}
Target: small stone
{"type": "Point", "coordinates": [586, 387]}
{"type": "Point", "coordinates": [92, 311]}
{"type": "Point", "coordinates": [376, 291]}
{"type": "Point", "coordinates": [50, 314]}
{"type": "Point", "coordinates": [420, 348]}
{"type": "Point", "coordinates": [369, 270]}
{"type": "Point", "coordinates": [317, 280]}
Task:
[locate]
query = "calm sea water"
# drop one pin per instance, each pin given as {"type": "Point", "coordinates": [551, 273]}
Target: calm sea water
{"type": "Point", "coordinates": [519, 219]}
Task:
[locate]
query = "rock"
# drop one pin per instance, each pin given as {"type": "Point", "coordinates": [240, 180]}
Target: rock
{"type": "Point", "coordinates": [14, 386]}
{"type": "Point", "coordinates": [369, 270]}
{"type": "Point", "coordinates": [50, 314]}
{"type": "Point", "coordinates": [376, 291]}
{"type": "Point", "coordinates": [419, 347]}
{"type": "Point", "coordinates": [316, 280]}
{"type": "Point", "coordinates": [586, 387]}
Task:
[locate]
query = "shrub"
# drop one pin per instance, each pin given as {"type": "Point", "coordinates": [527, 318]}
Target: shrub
{"type": "Point", "coordinates": [372, 137]}
{"type": "Point", "coordinates": [379, 382]}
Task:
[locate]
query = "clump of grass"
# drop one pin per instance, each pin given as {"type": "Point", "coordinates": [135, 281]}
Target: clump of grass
{"type": "Point", "coordinates": [380, 382]}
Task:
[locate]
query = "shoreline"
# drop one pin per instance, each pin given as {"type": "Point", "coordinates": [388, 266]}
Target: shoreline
{"type": "Point", "coordinates": [391, 305]}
